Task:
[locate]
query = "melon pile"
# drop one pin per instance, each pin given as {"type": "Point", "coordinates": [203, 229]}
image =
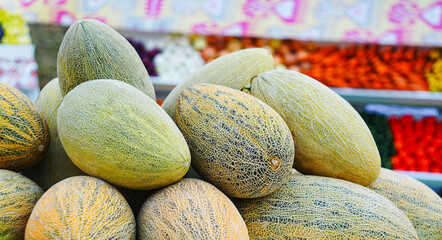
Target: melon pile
{"type": "Point", "coordinates": [237, 151]}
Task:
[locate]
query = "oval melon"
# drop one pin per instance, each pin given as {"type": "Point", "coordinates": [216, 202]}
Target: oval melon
{"type": "Point", "coordinates": [315, 207]}
{"type": "Point", "coordinates": [190, 209]}
{"type": "Point", "coordinates": [18, 196]}
{"type": "Point", "coordinates": [234, 70]}
{"type": "Point", "coordinates": [111, 130]}
{"type": "Point", "coordinates": [81, 207]}
{"type": "Point", "coordinates": [237, 142]}
{"type": "Point", "coordinates": [421, 204]}
{"type": "Point", "coordinates": [92, 50]}
{"type": "Point", "coordinates": [24, 135]}
{"type": "Point", "coordinates": [56, 165]}
{"type": "Point", "coordinates": [331, 138]}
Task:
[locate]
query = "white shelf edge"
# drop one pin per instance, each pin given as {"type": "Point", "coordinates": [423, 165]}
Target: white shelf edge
{"type": "Point", "coordinates": [429, 178]}
{"type": "Point", "coordinates": [17, 51]}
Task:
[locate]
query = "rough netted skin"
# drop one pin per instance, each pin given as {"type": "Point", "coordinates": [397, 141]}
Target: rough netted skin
{"type": "Point", "coordinates": [18, 196]}
{"type": "Point", "coordinates": [315, 207]}
{"type": "Point", "coordinates": [331, 139]}
{"type": "Point", "coordinates": [237, 142]}
{"type": "Point", "coordinates": [234, 70]}
{"type": "Point", "coordinates": [111, 130]}
{"type": "Point", "coordinates": [92, 50]}
{"type": "Point", "coordinates": [421, 204]}
{"type": "Point", "coordinates": [81, 207]}
{"type": "Point", "coordinates": [56, 164]}
{"type": "Point", "coordinates": [24, 134]}
{"type": "Point", "coordinates": [190, 209]}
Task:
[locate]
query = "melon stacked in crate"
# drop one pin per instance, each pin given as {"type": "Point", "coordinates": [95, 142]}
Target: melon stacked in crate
{"type": "Point", "coordinates": [275, 154]}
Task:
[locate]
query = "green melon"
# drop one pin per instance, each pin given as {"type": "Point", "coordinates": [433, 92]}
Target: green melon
{"type": "Point", "coordinates": [81, 207]}
{"type": "Point", "coordinates": [234, 70]}
{"type": "Point", "coordinates": [315, 207]}
{"type": "Point", "coordinates": [111, 130]}
{"type": "Point", "coordinates": [92, 50]}
{"type": "Point", "coordinates": [237, 142]}
{"type": "Point", "coordinates": [18, 196]}
{"type": "Point", "coordinates": [24, 134]}
{"type": "Point", "coordinates": [190, 209]}
{"type": "Point", "coordinates": [331, 138]}
{"type": "Point", "coordinates": [56, 165]}
{"type": "Point", "coordinates": [421, 204]}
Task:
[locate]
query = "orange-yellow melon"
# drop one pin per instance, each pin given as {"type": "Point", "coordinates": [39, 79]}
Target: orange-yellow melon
{"type": "Point", "coordinates": [24, 134]}
{"type": "Point", "coordinates": [81, 207]}
{"type": "Point", "coordinates": [190, 209]}
{"type": "Point", "coordinates": [315, 207]}
{"type": "Point", "coordinates": [330, 136]}
{"type": "Point", "coordinates": [234, 70]}
{"type": "Point", "coordinates": [18, 196]}
{"type": "Point", "coordinates": [421, 204]}
{"type": "Point", "coordinates": [237, 142]}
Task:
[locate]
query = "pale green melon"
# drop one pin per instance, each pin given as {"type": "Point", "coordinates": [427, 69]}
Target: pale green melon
{"type": "Point", "coordinates": [315, 207]}
{"type": "Point", "coordinates": [331, 138]}
{"type": "Point", "coordinates": [112, 130]}
{"type": "Point", "coordinates": [234, 70]}
{"type": "Point", "coordinates": [56, 165]}
{"type": "Point", "coordinates": [92, 50]}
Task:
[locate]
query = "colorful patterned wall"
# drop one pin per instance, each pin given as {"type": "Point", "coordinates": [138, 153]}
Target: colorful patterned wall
{"type": "Point", "coordinates": [409, 22]}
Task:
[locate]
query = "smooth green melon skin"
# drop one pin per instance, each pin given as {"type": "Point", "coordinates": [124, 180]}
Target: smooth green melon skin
{"type": "Point", "coordinates": [234, 70]}
{"type": "Point", "coordinates": [92, 50]}
{"type": "Point", "coordinates": [331, 138]}
{"type": "Point", "coordinates": [112, 130]}
{"type": "Point", "coordinates": [237, 142]}
{"type": "Point", "coordinates": [18, 196]}
{"type": "Point", "coordinates": [421, 204]}
{"type": "Point", "coordinates": [315, 207]}
{"type": "Point", "coordinates": [56, 165]}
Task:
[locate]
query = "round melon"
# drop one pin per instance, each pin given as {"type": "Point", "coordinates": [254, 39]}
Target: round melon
{"type": "Point", "coordinates": [421, 204]}
{"type": "Point", "coordinates": [237, 142]}
{"type": "Point", "coordinates": [24, 134]}
{"type": "Point", "coordinates": [331, 138]}
{"type": "Point", "coordinates": [81, 207]}
{"type": "Point", "coordinates": [92, 50]}
{"type": "Point", "coordinates": [315, 207]}
{"type": "Point", "coordinates": [234, 70]}
{"type": "Point", "coordinates": [18, 196]}
{"type": "Point", "coordinates": [112, 130]}
{"type": "Point", "coordinates": [56, 165]}
{"type": "Point", "coordinates": [190, 209]}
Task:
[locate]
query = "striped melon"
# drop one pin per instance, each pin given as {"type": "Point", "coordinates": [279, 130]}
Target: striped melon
{"type": "Point", "coordinates": [18, 196]}
{"type": "Point", "coordinates": [331, 138]}
{"type": "Point", "coordinates": [190, 209]}
{"type": "Point", "coordinates": [421, 204]}
{"type": "Point", "coordinates": [56, 165]}
{"type": "Point", "coordinates": [81, 207]}
{"type": "Point", "coordinates": [234, 70]}
{"type": "Point", "coordinates": [315, 207]}
{"type": "Point", "coordinates": [111, 130]}
{"type": "Point", "coordinates": [92, 50]}
{"type": "Point", "coordinates": [24, 135]}
{"type": "Point", "coordinates": [237, 142]}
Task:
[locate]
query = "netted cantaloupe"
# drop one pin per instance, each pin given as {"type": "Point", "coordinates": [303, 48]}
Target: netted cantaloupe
{"type": "Point", "coordinates": [237, 142]}
{"type": "Point", "coordinates": [190, 209]}
{"type": "Point", "coordinates": [92, 50]}
{"type": "Point", "coordinates": [24, 134]}
{"type": "Point", "coordinates": [112, 130]}
{"type": "Point", "coordinates": [331, 138]}
{"type": "Point", "coordinates": [421, 204]}
{"type": "Point", "coordinates": [315, 207]}
{"type": "Point", "coordinates": [234, 70]}
{"type": "Point", "coordinates": [81, 207]}
{"type": "Point", "coordinates": [56, 165]}
{"type": "Point", "coordinates": [18, 196]}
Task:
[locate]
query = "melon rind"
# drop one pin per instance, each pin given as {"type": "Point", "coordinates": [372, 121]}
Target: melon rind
{"type": "Point", "coordinates": [113, 131]}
